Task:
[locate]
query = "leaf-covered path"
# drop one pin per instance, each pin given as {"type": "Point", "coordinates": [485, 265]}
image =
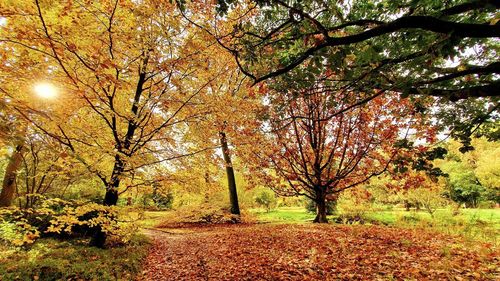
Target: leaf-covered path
{"type": "Point", "coordinates": [313, 252]}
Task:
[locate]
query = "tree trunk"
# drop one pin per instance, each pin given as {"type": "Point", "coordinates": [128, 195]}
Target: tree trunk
{"type": "Point", "coordinates": [231, 181]}
{"type": "Point", "coordinates": [320, 208]}
{"type": "Point", "coordinates": [9, 180]}
{"type": "Point", "coordinates": [111, 196]}
{"type": "Point", "coordinates": [110, 199]}
{"type": "Point", "coordinates": [207, 186]}
{"type": "Point", "coordinates": [407, 205]}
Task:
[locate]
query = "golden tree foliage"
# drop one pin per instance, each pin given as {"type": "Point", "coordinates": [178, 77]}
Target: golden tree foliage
{"type": "Point", "coordinates": [128, 77]}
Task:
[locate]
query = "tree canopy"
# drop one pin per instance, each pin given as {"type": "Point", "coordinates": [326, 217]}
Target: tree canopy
{"type": "Point", "coordinates": [442, 49]}
{"type": "Point", "coordinates": [321, 95]}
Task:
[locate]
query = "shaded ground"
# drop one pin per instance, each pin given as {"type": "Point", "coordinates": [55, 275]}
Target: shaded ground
{"type": "Point", "coordinates": [313, 252]}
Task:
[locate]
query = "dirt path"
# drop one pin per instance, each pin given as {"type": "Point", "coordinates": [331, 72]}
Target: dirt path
{"type": "Point", "coordinates": [313, 252]}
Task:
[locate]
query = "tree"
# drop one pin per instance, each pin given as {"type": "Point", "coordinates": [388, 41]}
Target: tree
{"type": "Point", "coordinates": [16, 134]}
{"type": "Point", "coordinates": [12, 126]}
{"type": "Point", "coordinates": [321, 145]}
{"type": "Point", "coordinates": [428, 195]}
{"type": "Point", "coordinates": [267, 199]}
{"type": "Point", "coordinates": [378, 38]}
{"type": "Point", "coordinates": [464, 186]}
{"type": "Point", "coordinates": [47, 169]}
{"type": "Point", "coordinates": [231, 181]}
{"type": "Point", "coordinates": [485, 162]}
{"type": "Point", "coordinates": [229, 105]}
{"type": "Point", "coordinates": [443, 49]}
{"type": "Point", "coordinates": [125, 77]}
{"type": "Point", "coordinates": [10, 175]}
{"type": "Point", "coordinates": [472, 175]}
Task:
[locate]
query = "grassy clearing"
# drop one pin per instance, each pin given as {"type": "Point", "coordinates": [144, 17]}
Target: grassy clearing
{"type": "Point", "coordinates": [49, 259]}
{"type": "Point", "coordinates": [150, 219]}
{"type": "Point", "coordinates": [485, 216]}
{"type": "Point", "coordinates": [283, 215]}
{"type": "Point", "coordinates": [472, 224]}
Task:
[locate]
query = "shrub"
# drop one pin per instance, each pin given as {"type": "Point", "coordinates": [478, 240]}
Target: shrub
{"type": "Point", "coordinates": [429, 199]}
{"type": "Point", "coordinates": [63, 220]}
{"type": "Point", "coordinates": [14, 234]}
{"type": "Point", "coordinates": [352, 209]}
{"type": "Point", "coordinates": [50, 259]}
{"type": "Point", "coordinates": [207, 213]}
{"type": "Point", "coordinates": [266, 199]}
{"type": "Point", "coordinates": [487, 204]}
{"type": "Point", "coordinates": [159, 200]}
{"type": "Point", "coordinates": [295, 201]}
{"type": "Point", "coordinates": [185, 199]}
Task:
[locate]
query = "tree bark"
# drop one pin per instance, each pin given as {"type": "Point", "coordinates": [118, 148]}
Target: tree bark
{"type": "Point", "coordinates": [320, 208]}
{"type": "Point", "coordinates": [9, 180]}
{"type": "Point", "coordinates": [111, 196]}
{"type": "Point", "coordinates": [231, 181]}
{"type": "Point", "coordinates": [207, 186]}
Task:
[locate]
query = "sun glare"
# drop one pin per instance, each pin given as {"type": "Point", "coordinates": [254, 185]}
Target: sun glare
{"type": "Point", "coordinates": [45, 90]}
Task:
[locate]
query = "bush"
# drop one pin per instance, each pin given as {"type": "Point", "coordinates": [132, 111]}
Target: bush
{"type": "Point", "coordinates": [429, 199]}
{"type": "Point", "coordinates": [51, 259]}
{"type": "Point", "coordinates": [158, 200]}
{"type": "Point", "coordinates": [352, 209]}
{"type": "Point", "coordinates": [266, 199]}
{"type": "Point", "coordinates": [295, 201]}
{"type": "Point", "coordinates": [487, 205]}
{"type": "Point", "coordinates": [207, 213]}
{"type": "Point", "coordinates": [63, 220]}
{"type": "Point", "coordinates": [12, 234]}
{"type": "Point", "coordinates": [186, 199]}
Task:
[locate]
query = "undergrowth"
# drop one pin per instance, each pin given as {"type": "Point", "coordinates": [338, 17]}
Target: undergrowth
{"type": "Point", "coordinates": [51, 259]}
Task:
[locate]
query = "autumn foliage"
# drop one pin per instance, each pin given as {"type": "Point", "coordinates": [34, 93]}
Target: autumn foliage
{"type": "Point", "coordinates": [113, 110]}
{"type": "Point", "coordinates": [318, 145]}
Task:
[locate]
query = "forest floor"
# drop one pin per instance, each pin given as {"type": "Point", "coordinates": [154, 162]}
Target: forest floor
{"type": "Point", "coordinates": [314, 252]}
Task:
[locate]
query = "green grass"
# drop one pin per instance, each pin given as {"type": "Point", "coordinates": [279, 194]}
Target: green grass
{"type": "Point", "coordinates": [284, 214]}
{"type": "Point", "coordinates": [146, 219]}
{"type": "Point", "coordinates": [49, 259]}
{"type": "Point", "coordinates": [490, 217]}
{"type": "Point", "coordinates": [472, 224]}
{"type": "Point", "coordinates": [151, 219]}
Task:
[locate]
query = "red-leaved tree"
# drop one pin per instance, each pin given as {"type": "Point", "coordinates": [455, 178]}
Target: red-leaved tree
{"type": "Point", "coordinates": [319, 144]}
